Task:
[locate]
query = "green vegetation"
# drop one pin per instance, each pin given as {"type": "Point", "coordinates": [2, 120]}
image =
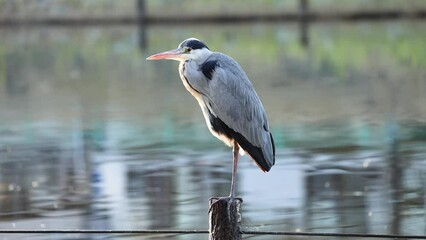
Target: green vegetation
{"type": "Point", "coordinates": [347, 72]}
{"type": "Point", "coordinates": [78, 8]}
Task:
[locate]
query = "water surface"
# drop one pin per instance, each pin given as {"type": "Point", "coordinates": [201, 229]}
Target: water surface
{"type": "Point", "coordinates": [95, 137]}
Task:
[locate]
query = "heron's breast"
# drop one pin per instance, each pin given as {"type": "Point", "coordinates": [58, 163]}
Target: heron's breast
{"type": "Point", "coordinates": [186, 83]}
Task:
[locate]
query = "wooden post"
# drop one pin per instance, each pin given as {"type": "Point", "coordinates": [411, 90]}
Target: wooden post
{"type": "Point", "coordinates": [225, 218]}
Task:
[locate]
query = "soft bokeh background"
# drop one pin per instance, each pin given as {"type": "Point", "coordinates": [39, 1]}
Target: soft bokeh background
{"type": "Point", "coordinates": [92, 136]}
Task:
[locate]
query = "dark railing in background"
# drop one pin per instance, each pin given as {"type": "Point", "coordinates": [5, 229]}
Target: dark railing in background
{"type": "Point", "coordinates": [141, 16]}
{"type": "Point", "coordinates": [305, 16]}
{"type": "Point", "coordinates": [183, 232]}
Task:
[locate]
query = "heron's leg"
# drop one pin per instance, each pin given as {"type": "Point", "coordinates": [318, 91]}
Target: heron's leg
{"type": "Point", "coordinates": [234, 169]}
{"type": "Point", "coordinates": [231, 197]}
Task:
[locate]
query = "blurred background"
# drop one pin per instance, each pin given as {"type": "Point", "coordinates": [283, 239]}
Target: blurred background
{"type": "Point", "coordinates": [92, 136]}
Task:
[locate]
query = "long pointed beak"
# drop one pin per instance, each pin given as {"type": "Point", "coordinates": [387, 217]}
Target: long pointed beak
{"type": "Point", "coordinates": [174, 54]}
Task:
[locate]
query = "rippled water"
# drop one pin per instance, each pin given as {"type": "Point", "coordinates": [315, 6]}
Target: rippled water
{"type": "Point", "coordinates": [95, 137]}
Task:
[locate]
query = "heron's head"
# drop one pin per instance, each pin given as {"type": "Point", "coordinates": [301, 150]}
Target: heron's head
{"type": "Point", "coordinates": [189, 49]}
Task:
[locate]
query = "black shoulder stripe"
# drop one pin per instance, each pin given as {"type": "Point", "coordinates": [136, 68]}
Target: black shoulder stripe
{"type": "Point", "coordinates": [208, 68]}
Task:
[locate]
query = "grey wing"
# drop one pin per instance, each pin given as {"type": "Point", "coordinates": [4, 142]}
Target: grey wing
{"type": "Point", "coordinates": [233, 100]}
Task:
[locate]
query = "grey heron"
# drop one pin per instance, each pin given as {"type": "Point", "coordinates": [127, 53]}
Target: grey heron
{"type": "Point", "coordinates": [230, 105]}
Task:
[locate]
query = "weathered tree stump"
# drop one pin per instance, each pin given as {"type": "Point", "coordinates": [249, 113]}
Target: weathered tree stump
{"type": "Point", "coordinates": [225, 218]}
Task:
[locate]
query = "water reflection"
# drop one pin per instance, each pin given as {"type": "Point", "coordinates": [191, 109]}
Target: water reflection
{"type": "Point", "coordinates": [348, 201]}
{"type": "Point", "coordinates": [93, 137]}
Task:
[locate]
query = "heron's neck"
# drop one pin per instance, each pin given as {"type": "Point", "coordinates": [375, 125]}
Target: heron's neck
{"type": "Point", "coordinates": [199, 56]}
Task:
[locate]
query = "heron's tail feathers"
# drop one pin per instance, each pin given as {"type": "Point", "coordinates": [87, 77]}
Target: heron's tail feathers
{"type": "Point", "coordinates": [263, 156]}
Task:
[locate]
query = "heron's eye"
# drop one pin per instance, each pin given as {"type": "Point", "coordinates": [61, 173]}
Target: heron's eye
{"type": "Point", "coordinates": [187, 50]}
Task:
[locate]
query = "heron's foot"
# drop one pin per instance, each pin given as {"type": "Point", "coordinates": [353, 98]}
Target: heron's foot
{"type": "Point", "coordinates": [220, 200]}
{"type": "Point", "coordinates": [226, 205]}
{"type": "Point", "coordinates": [229, 201]}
